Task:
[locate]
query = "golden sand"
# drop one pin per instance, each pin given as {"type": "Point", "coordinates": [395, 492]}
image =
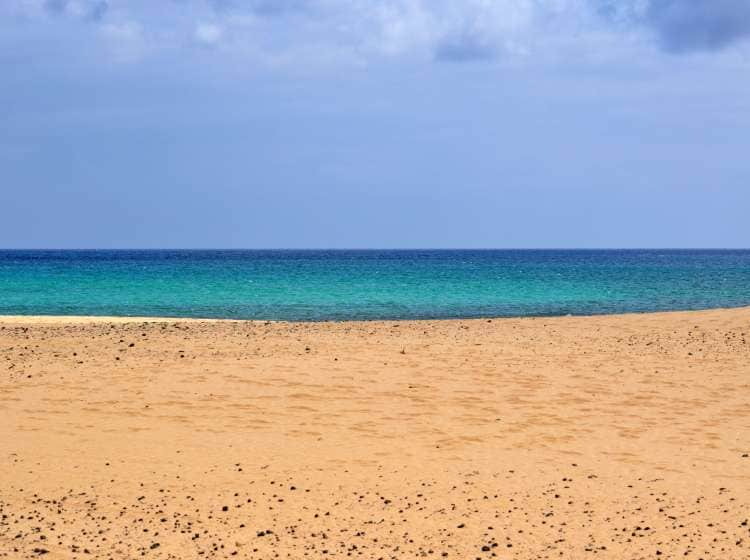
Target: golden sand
{"type": "Point", "coordinates": [600, 437]}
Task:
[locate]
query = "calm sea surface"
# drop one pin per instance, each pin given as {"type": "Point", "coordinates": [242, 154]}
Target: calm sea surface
{"type": "Point", "coordinates": [336, 285]}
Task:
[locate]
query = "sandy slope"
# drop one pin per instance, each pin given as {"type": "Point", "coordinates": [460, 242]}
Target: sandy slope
{"type": "Point", "coordinates": [604, 437]}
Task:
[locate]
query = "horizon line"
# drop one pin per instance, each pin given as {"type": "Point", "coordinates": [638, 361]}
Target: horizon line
{"type": "Point", "coordinates": [154, 249]}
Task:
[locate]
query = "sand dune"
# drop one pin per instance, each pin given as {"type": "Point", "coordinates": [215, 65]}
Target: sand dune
{"type": "Point", "coordinates": [607, 437]}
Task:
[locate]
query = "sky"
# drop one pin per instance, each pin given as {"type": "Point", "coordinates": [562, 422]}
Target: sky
{"type": "Point", "coordinates": [374, 123]}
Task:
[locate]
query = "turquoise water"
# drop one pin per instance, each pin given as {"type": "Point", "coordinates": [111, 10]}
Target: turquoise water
{"type": "Point", "coordinates": [337, 285]}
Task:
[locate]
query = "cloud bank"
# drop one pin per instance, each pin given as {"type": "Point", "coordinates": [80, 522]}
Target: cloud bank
{"type": "Point", "coordinates": [438, 30]}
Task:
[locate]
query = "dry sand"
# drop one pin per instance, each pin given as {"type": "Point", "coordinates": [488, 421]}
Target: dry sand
{"type": "Point", "coordinates": [602, 437]}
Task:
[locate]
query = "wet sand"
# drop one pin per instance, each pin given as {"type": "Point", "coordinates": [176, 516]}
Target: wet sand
{"type": "Point", "coordinates": [601, 437]}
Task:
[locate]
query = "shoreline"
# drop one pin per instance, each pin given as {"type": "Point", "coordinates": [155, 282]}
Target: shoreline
{"type": "Point", "coordinates": [83, 319]}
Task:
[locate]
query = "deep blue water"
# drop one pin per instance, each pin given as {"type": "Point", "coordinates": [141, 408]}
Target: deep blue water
{"type": "Point", "coordinates": [336, 285]}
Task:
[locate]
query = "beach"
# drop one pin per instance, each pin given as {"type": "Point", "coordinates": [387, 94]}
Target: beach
{"type": "Point", "coordinates": [622, 436]}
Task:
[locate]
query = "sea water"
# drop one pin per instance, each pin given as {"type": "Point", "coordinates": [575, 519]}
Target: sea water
{"type": "Point", "coordinates": [370, 284]}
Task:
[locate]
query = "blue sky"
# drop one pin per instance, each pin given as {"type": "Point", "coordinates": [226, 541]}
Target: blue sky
{"type": "Point", "coordinates": [391, 123]}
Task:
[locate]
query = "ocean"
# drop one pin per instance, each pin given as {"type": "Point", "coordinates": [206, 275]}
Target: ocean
{"type": "Point", "coordinates": [318, 285]}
